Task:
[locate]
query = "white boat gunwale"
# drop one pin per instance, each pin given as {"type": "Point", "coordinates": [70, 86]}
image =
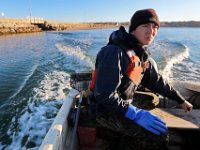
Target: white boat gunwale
{"type": "Point", "coordinates": [55, 138]}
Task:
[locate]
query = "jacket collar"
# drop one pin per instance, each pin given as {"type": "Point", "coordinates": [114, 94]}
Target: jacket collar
{"type": "Point", "coordinates": [126, 41]}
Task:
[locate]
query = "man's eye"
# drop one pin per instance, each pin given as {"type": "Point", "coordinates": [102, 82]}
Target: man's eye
{"type": "Point", "coordinates": [156, 27]}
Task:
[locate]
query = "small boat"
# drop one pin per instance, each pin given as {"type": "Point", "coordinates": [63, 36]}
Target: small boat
{"type": "Point", "coordinates": [184, 128]}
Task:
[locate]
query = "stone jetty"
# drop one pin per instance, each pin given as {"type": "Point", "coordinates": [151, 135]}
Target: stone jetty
{"type": "Point", "coordinates": [15, 26]}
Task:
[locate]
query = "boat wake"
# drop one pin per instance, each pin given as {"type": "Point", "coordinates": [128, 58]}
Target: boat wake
{"type": "Point", "coordinates": [76, 55]}
{"type": "Point", "coordinates": [29, 126]}
{"type": "Point", "coordinates": [168, 54]}
{"type": "Point", "coordinates": [167, 71]}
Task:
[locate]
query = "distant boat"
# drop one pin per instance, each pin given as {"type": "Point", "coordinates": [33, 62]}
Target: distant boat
{"type": "Point", "coordinates": [61, 135]}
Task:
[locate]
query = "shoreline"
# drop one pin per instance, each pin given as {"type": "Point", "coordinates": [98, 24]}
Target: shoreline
{"type": "Point", "coordinates": [17, 26]}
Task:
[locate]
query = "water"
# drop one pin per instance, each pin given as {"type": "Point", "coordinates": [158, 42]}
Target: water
{"type": "Point", "coordinates": [35, 69]}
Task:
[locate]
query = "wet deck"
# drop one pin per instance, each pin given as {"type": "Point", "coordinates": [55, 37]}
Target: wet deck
{"type": "Point", "coordinates": [178, 119]}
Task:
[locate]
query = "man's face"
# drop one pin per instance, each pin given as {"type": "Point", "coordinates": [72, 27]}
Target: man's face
{"type": "Point", "coordinates": [145, 33]}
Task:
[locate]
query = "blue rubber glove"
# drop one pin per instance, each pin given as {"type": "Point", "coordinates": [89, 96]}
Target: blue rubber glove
{"type": "Point", "coordinates": [146, 119]}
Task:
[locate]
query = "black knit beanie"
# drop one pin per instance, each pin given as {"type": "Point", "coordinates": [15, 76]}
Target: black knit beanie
{"type": "Point", "coordinates": [143, 16]}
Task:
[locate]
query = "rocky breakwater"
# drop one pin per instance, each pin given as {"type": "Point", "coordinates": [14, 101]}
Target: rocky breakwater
{"type": "Point", "coordinates": [13, 26]}
{"type": "Point", "coordinates": [57, 26]}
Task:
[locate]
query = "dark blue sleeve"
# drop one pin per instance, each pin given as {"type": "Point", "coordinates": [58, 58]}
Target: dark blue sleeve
{"type": "Point", "coordinates": [109, 68]}
{"type": "Point", "coordinates": [155, 82]}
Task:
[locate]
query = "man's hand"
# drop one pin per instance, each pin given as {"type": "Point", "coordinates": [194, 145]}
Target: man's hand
{"type": "Point", "coordinates": [147, 120]}
{"type": "Point", "coordinates": [186, 106]}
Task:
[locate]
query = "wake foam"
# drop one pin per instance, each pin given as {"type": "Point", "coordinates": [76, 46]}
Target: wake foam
{"type": "Point", "coordinates": [76, 54]}
{"type": "Point", "coordinates": [176, 59]}
{"type": "Point", "coordinates": [40, 112]}
{"type": "Point", "coordinates": [167, 54]}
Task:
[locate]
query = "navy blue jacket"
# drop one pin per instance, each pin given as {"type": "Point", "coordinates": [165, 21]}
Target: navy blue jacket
{"type": "Point", "coordinates": [111, 65]}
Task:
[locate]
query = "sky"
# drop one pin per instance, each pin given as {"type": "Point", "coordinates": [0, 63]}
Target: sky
{"type": "Point", "coordinates": [99, 10]}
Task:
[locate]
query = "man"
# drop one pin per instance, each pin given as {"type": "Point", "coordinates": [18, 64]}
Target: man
{"type": "Point", "coordinates": [121, 66]}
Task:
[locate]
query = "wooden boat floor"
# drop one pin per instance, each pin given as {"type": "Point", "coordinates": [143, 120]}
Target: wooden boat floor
{"type": "Point", "coordinates": [178, 119]}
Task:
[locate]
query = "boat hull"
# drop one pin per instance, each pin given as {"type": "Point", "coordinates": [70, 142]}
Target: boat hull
{"type": "Point", "coordinates": [60, 133]}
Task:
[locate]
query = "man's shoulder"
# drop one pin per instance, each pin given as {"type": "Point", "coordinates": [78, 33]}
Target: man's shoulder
{"type": "Point", "coordinates": [112, 52]}
{"type": "Point", "coordinates": [111, 48]}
